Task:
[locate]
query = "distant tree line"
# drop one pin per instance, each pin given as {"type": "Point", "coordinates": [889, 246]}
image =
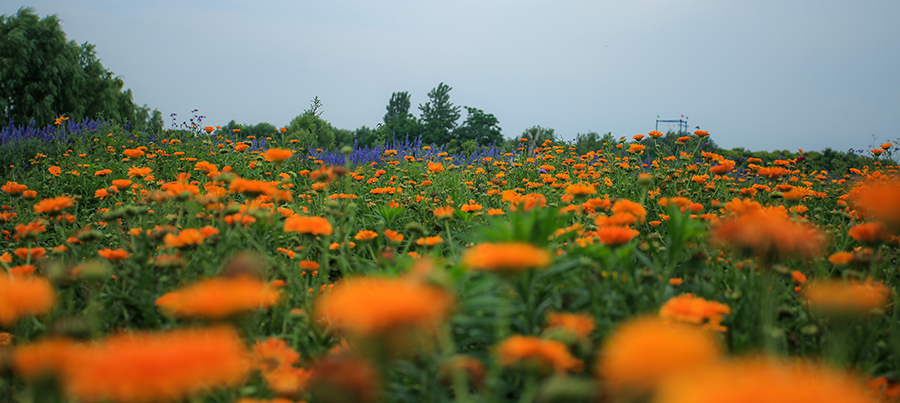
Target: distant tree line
{"type": "Point", "coordinates": [43, 76]}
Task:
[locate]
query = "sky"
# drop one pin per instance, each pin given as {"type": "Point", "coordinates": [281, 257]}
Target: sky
{"type": "Point", "coordinates": [760, 74]}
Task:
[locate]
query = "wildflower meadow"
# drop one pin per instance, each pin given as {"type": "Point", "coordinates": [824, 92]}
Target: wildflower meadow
{"type": "Point", "coordinates": [209, 266]}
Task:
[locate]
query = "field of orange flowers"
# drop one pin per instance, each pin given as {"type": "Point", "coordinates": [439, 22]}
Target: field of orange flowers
{"type": "Point", "coordinates": [200, 268]}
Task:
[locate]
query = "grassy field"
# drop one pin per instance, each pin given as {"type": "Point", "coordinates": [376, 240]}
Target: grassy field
{"type": "Point", "coordinates": [194, 267]}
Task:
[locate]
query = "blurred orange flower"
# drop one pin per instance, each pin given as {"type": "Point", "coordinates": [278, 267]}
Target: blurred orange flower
{"type": "Point", "coordinates": [308, 225]}
{"type": "Point", "coordinates": [544, 354]}
{"type": "Point", "coordinates": [689, 308]}
{"type": "Point", "coordinates": [768, 233]}
{"type": "Point", "coordinates": [54, 206]}
{"type": "Point", "coordinates": [151, 367]}
{"type": "Point", "coordinates": [24, 296]}
{"type": "Point", "coordinates": [372, 306]}
{"type": "Point", "coordinates": [218, 298]}
{"type": "Point", "coordinates": [763, 380]}
{"type": "Point", "coordinates": [641, 352]}
{"type": "Point", "coordinates": [505, 257]}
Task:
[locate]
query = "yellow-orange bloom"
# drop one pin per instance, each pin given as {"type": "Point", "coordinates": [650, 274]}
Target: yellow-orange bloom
{"type": "Point", "coordinates": [581, 325]}
{"type": "Point", "coordinates": [505, 257]}
{"type": "Point", "coordinates": [872, 233]}
{"type": "Point", "coordinates": [186, 238]}
{"type": "Point", "coordinates": [752, 380]}
{"type": "Point", "coordinates": [218, 298]}
{"type": "Point", "coordinates": [365, 235]}
{"type": "Point", "coordinates": [278, 154]}
{"type": "Point", "coordinates": [769, 232]}
{"type": "Point", "coordinates": [393, 236]}
{"type": "Point", "coordinates": [133, 153]}
{"type": "Point", "coordinates": [641, 352]}
{"type": "Point", "coordinates": [49, 356]}
{"type": "Point", "coordinates": [24, 296]}
{"type": "Point", "coordinates": [625, 206]}
{"type": "Point", "coordinates": [580, 190]}
{"type": "Point", "coordinates": [372, 306]}
{"type": "Point", "coordinates": [114, 255]}
{"type": "Point", "coordinates": [689, 308]}
{"type": "Point", "coordinates": [308, 225]}
{"type": "Point", "coordinates": [615, 235]}
{"type": "Point", "coordinates": [445, 212]}
{"type": "Point", "coordinates": [13, 188]}
{"type": "Point", "coordinates": [54, 206]}
{"type": "Point", "coordinates": [841, 258]}
{"type": "Point", "coordinates": [879, 200]}
{"type": "Point", "coordinates": [542, 353]}
{"type": "Point", "coordinates": [155, 367]}
{"type": "Point", "coordinates": [847, 297]}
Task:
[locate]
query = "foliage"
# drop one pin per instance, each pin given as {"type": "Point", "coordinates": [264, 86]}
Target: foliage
{"type": "Point", "coordinates": [439, 116]}
{"type": "Point", "coordinates": [482, 128]}
{"type": "Point", "coordinates": [44, 76]}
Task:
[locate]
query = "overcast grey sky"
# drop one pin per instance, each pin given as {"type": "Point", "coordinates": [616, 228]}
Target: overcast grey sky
{"type": "Point", "coordinates": [761, 74]}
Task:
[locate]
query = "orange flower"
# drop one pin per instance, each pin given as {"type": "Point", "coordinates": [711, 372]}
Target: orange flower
{"type": "Point", "coordinates": [636, 148]}
{"type": "Point", "coordinates": [138, 172]}
{"type": "Point", "coordinates": [581, 325]}
{"type": "Point", "coordinates": [655, 134]}
{"type": "Point", "coordinates": [580, 190]}
{"type": "Point", "coordinates": [472, 206]}
{"type": "Point", "coordinates": [433, 167]}
{"type": "Point", "coordinates": [768, 233]}
{"type": "Point", "coordinates": [114, 255]}
{"type": "Point", "coordinates": [543, 354]}
{"type": "Point", "coordinates": [371, 306]}
{"type": "Point", "coordinates": [689, 308]}
{"type": "Point", "coordinates": [151, 367]}
{"type": "Point", "coordinates": [724, 166]}
{"type": "Point", "coordinates": [30, 231]}
{"type": "Point", "coordinates": [251, 188]}
{"type": "Point", "coordinates": [24, 296]}
{"type": "Point", "coordinates": [133, 153]}
{"type": "Point", "coordinates": [33, 253]}
{"type": "Point", "coordinates": [879, 200]}
{"type": "Point", "coordinates": [218, 298]}
{"type": "Point", "coordinates": [273, 354]}
{"type": "Point", "coordinates": [121, 183]}
{"type": "Point", "coordinates": [365, 235]}
{"type": "Point", "coordinates": [841, 258]}
{"type": "Point", "coordinates": [430, 241]}
{"type": "Point", "coordinates": [13, 188]}
{"type": "Point", "coordinates": [847, 297]}
{"type": "Point", "coordinates": [185, 239]}
{"type": "Point", "coordinates": [22, 271]}
{"type": "Point", "coordinates": [54, 170]}
{"type": "Point", "coordinates": [278, 155]}
{"type": "Point", "coordinates": [444, 213]}
{"type": "Point", "coordinates": [615, 235]}
{"type": "Point", "coordinates": [308, 225]}
{"type": "Point", "coordinates": [49, 356]}
{"type": "Point", "coordinates": [872, 233]}
{"type": "Point", "coordinates": [773, 172]}
{"type": "Point", "coordinates": [625, 206]}
{"type": "Point", "coordinates": [762, 380]}
{"type": "Point", "coordinates": [505, 257]}
{"type": "Point", "coordinates": [393, 236]}
{"type": "Point", "coordinates": [641, 352]}
{"type": "Point", "coordinates": [309, 265]}
{"type": "Point", "coordinates": [54, 206]}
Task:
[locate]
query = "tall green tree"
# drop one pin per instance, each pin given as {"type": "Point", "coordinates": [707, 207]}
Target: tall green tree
{"type": "Point", "coordinates": [439, 116]}
{"type": "Point", "coordinates": [482, 128]}
{"type": "Point", "coordinates": [44, 76]}
{"type": "Point", "coordinates": [398, 121]}
{"type": "Point", "coordinates": [311, 129]}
